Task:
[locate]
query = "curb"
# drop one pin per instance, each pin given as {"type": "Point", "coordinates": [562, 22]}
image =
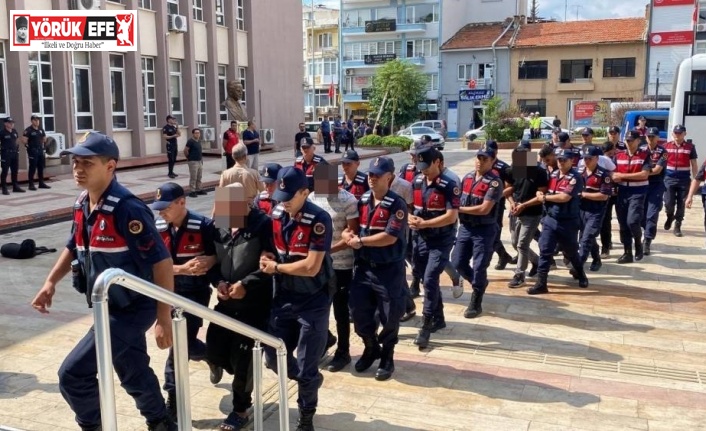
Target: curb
{"type": "Point", "coordinates": [39, 219]}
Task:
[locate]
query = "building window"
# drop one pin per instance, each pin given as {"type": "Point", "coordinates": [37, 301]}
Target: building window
{"type": "Point", "coordinates": [533, 105]}
{"type": "Point", "coordinates": [220, 15]}
{"type": "Point", "coordinates": [465, 72]}
{"type": "Point", "coordinates": [422, 13]}
{"type": "Point", "coordinates": [117, 1]}
{"type": "Point", "coordinates": [149, 100]}
{"type": "Point", "coordinates": [433, 82]}
{"type": "Point", "coordinates": [82, 90]}
{"type": "Point", "coordinates": [117, 90]}
{"type": "Point", "coordinates": [325, 40]}
{"type": "Point", "coordinates": [41, 88]}
{"type": "Point", "coordinates": [572, 70]}
{"type": "Point", "coordinates": [3, 90]}
{"type": "Point", "coordinates": [240, 16]}
{"type": "Point", "coordinates": [241, 77]}
{"type": "Point", "coordinates": [201, 106]}
{"type": "Point", "coordinates": [356, 18]}
{"type": "Point", "coordinates": [322, 99]}
{"type": "Point", "coordinates": [173, 7]}
{"type": "Point", "coordinates": [700, 47]}
{"type": "Point", "coordinates": [619, 67]}
{"type": "Point", "coordinates": [532, 70]}
{"type": "Point", "coordinates": [357, 51]}
{"type": "Point", "coordinates": [222, 91]}
{"type": "Point", "coordinates": [145, 4]}
{"type": "Point", "coordinates": [197, 10]}
{"type": "Point", "coordinates": [175, 90]}
{"type": "Point", "coordinates": [422, 48]}
{"type": "Point", "coordinates": [386, 13]}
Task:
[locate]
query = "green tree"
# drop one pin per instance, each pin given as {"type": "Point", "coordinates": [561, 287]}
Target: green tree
{"type": "Point", "coordinates": [398, 89]}
{"type": "Point", "coordinates": [503, 124]}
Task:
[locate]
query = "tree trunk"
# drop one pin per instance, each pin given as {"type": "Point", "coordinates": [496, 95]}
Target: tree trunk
{"type": "Point", "coordinates": [382, 106]}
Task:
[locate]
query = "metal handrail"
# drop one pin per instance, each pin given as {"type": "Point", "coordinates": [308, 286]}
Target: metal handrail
{"type": "Point", "coordinates": [104, 355]}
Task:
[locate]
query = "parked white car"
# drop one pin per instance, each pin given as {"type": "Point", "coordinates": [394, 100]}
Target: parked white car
{"type": "Point", "coordinates": [437, 125]}
{"type": "Point", "coordinates": [474, 134]}
{"type": "Point", "coordinates": [416, 133]}
{"type": "Point", "coordinates": [545, 131]}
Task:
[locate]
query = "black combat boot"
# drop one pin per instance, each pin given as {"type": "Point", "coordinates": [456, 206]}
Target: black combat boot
{"type": "Point", "coordinates": [369, 356]}
{"type": "Point", "coordinates": [646, 247]}
{"type": "Point", "coordinates": [503, 259]}
{"type": "Point", "coordinates": [540, 286]}
{"type": "Point", "coordinates": [668, 222]}
{"type": "Point", "coordinates": [306, 420]}
{"type": "Point", "coordinates": [627, 256]}
{"type": "Point", "coordinates": [596, 265]}
{"type": "Point", "coordinates": [172, 406]}
{"type": "Point", "coordinates": [31, 187]}
{"type": "Point", "coordinates": [639, 251]}
{"type": "Point", "coordinates": [166, 424]}
{"type": "Point", "coordinates": [17, 189]}
{"type": "Point", "coordinates": [4, 190]}
{"type": "Point", "coordinates": [422, 339]}
{"type": "Point", "coordinates": [582, 278]}
{"type": "Point", "coordinates": [677, 229]}
{"type": "Point", "coordinates": [474, 308]}
{"type": "Point", "coordinates": [414, 288]}
{"type": "Point", "coordinates": [387, 365]}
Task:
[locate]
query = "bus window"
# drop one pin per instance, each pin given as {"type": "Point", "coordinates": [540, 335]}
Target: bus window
{"type": "Point", "coordinates": [695, 104]}
{"type": "Point", "coordinates": [698, 80]}
{"type": "Point", "coordinates": [660, 123]}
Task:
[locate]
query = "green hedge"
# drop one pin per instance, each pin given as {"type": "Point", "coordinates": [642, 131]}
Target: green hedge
{"type": "Point", "coordinates": [385, 141]}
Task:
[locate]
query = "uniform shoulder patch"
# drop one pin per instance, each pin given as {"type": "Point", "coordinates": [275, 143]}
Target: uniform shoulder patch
{"type": "Point", "coordinates": [399, 214]}
{"type": "Point", "coordinates": [607, 179]}
{"type": "Point", "coordinates": [495, 183]}
{"type": "Point", "coordinates": [457, 191]}
{"type": "Point", "coordinates": [665, 155]}
{"type": "Point", "coordinates": [135, 227]}
{"type": "Point", "coordinates": [319, 228]}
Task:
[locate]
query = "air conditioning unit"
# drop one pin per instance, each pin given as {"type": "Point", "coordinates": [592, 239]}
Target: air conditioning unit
{"type": "Point", "coordinates": [349, 72]}
{"type": "Point", "coordinates": [208, 134]}
{"type": "Point", "coordinates": [54, 145]}
{"type": "Point", "coordinates": [177, 23]}
{"type": "Point", "coordinates": [85, 4]}
{"type": "Point", "coordinates": [701, 27]}
{"type": "Point", "coordinates": [267, 136]}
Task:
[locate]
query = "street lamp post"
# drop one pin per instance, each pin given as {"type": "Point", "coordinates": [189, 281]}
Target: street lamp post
{"type": "Point", "coordinates": [657, 87]}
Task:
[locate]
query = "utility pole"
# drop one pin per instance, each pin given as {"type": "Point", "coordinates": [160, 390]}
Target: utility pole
{"type": "Point", "coordinates": [313, 66]}
{"type": "Point", "coordinates": [566, 7]}
{"type": "Point", "coordinates": [657, 87]}
{"type": "Point", "coordinates": [577, 6]}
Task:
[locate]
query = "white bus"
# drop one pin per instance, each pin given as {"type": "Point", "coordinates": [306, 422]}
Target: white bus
{"type": "Point", "coordinates": [689, 100]}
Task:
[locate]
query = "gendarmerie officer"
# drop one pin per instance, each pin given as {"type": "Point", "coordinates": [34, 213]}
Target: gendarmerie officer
{"type": "Point", "coordinates": [268, 176]}
{"type": "Point", "coordinates": [695, 187]}
{"type": "Point", "coordinates": [302, 303]}
{"type": "Point", "coordinates": [308, 160]}
{"type": "Point", "coordinates": [352, 180]}
{"type": "Point", "coordinates": [504, 172]}
{"type": "Point", "coordinates": [597, 189]}
{"type": "Point", "coordinates": [560, 224]}
{"type": "Point", "coordinates": [436, 201]}
{"type": "Point", "coordinates": [34, 139]}
{"type": "Point", "coordinates": [190, 239]}
{"type": "Point", "coordinates": [170, 133]}
{"type": "Point", "coordinates": [409, 172]}
{"type": "Point", "coordinates": [633, 166]}
{"type": "Point", "coordinates": [112, 229]}
{"type": "Point", "coordinates": [481, 190]}
{"type": "Point", "coordinates": [655, 188]}
{"type": "Point", "coordinates": [378, 289]}
{"type": "Point", "coordinates": [681, 166]}
{"type": "Point", "coordinates": [9, 156]}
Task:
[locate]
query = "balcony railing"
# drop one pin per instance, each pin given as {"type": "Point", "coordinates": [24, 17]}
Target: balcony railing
{"type": "Point", "coordinates": [575, 84]}
{"type": "Point", "coordinates": [355, 30]}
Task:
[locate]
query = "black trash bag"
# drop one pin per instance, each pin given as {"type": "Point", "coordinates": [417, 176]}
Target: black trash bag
{"type": "Point", "coordinates": [26, 250]}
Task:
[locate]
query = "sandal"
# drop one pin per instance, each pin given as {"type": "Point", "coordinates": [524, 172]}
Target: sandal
{"type": "Point", "coordinates": [234, 422]}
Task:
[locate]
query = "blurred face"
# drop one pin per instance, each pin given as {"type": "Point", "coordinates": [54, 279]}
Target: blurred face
{"type": "Point", "coordinates": [484, 164]}
{"type": "Point", "coordinates": [350, 168]}
{"type": "Point", "coordinates": [379, 183]}
{"type": "Point", "coordinates": [92, 172]}
{"type": "Point", "coordinates": [564, 164]}
{"type": "Point", "coordinates": [231, 207]}
{"type": "Point", "coordinates": [326, 180]}
{"type": "Point", "coordinates": [174, 211]}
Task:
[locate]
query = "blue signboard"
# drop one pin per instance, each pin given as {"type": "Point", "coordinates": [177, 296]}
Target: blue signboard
{"type": "Point", "coordinates": [474, 95]}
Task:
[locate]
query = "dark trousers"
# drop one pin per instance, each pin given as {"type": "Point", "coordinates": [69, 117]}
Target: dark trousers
{"type": "Point", "coordinates": [11, 163]}
{"type": "Point", "coordinates": [674, 196]}
{"type": "Point", "coordinates": [197, 348]}
{"type": "Point", "coordinates": [653, 205]}
{"type": "Point", "coordinates": [349, 142]}
{"type": "Point", "coordinates": [233, 352]}
{"type": "Point", "coordinates": [430, 260]}
{"type": "Point", "coordinates": [377, 295]}
{"type": "Point", "coordinates": [341, 284]}
{"type": "Point", "coordinates": [37, 162]}
{"type": "Point", "coordinates": [171, 159]}
{"type": "Point", "coordinates": [230, 162]}
{"type": "Point", "coordinates": [565, 234]}
{"type": "Point", "coordinates": [474, 244]}
{"type": "Point", "coordinates": [591, 222]}
{"type": "Point", "coordinates": [630, 210]}
{"type": "Point", "coordinates": [703, 201]}
{"type": "Point", "coordinates": [498, 246]}
{"type": "Point", "coordinates": [337, 140]}
{"type": "Point", "coordinates": [607, 225]}
{"type": "Point", "coordinates": [77, 375]}
{"type": "Point", "coordinates": [327, 142]}
{"type": "Point", "coordinates": [303, 326]}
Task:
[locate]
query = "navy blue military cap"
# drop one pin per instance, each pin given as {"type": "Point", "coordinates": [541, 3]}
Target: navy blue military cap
{"type": "Point", "coordinates": [291, 180]}
{"type": "Point", "coordinates": [614, 129]}
{"type": "Point", "coordinates": [592, 151]}
{"type": "Point", "coordinates": [653, 131]}
{"type": "Point", "coordinates": [418, 146]}
{"type": "Point", "coordinates": [166, 194]}
{"type": "Point", "coordinates": [94, 144]}
{"type": "Point", "coordinates": [9, 120]}
{"type": "Point", "coordinates": [563, 137]}
{"type": "Point", "coordinates": [679, 129]}
{"type": "Point", "coordinates": [565, 154]}
{"type": "Point", "coordinates": [524, 145]}
{"type": "Point", "coordinates": [269, 171]}
{"type": "Point", "coordinates": [350, 156]}
{"type": "Point", "coordinates": [587, 131]}
{"type": "Point", "coordinates": [492, 145]}
{"type": "Point", "coordinates": [632, 135]}
{"type": "Point", "coordinates": [306, 142]}
{"type": "Point", "coordinates": [426, 157]}
{"type": "Point", "coordinates": [489, 149]}
{"type": "Point", "coordinates": [381, 165]}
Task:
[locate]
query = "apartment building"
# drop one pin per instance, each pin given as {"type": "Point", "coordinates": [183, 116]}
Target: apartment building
{"type": "Point", "coordinates": [321, 52]}
{"type": "Point", "coordinates": [555, 63]}
{"type": "Point", "coordinates": [187, 51]}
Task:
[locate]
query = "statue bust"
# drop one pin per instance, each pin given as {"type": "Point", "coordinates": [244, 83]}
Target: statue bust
{"type": "Point", "coordinates": [232, 103]}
